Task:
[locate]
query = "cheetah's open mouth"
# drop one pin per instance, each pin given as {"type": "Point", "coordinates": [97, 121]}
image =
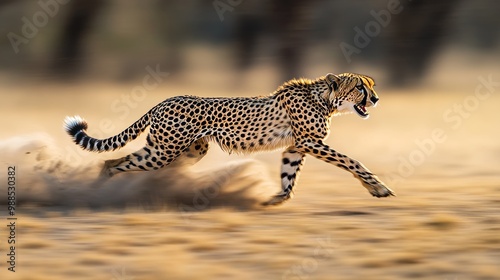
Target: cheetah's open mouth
{"type": "Point", "coordinates": [361, 110]}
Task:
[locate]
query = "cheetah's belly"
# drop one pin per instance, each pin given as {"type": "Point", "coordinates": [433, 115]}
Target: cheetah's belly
{"type": "Point", "coordinates": [256, 141]}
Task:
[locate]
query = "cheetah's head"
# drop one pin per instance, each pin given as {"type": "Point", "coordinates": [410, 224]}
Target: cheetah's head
{"type": "Point", "coordinates": [352, 93]}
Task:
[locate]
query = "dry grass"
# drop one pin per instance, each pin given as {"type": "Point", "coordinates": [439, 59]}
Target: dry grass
{"type": "Point", "coordinates": [442, 225]}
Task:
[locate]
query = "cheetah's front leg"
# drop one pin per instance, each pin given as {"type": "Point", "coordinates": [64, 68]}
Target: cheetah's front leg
{"type": "Point", "coordinates": [292, 161]}
{"type": "Point", "coordinates": [370, 181]}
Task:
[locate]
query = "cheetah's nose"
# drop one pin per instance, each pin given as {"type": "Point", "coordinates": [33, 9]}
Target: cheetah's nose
{"type": "Point", "coordinates": [374, 99]}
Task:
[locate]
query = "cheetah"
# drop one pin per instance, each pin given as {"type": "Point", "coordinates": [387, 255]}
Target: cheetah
{"type": "Point", "coordinates": [296, 118]}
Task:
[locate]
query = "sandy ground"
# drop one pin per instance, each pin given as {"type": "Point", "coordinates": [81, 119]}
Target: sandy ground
{"type": "Point", "coordinates": [205, 222]}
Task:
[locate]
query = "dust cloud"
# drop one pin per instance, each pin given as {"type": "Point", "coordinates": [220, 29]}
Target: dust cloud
{"type": "Point", "coordinates": [46, 178]}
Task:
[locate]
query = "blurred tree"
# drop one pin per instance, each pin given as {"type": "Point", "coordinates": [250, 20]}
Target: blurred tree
{"type": "Point", "coordinates": [290, 25]}
{"type": "Point", "coordinates": [174, 31]}
{"type": "Point", "coordinates": [415, 36]}
{"type": "Point", "coordinates": [68, 59]}
{"type": "Point", "coordinates": [287, 23]}
{"type": "Point", "coordinates": [249, 26]}
{"type": "Point", "coordinates": [164, 30]}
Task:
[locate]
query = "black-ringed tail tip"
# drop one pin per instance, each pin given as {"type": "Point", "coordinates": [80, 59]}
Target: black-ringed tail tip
{"type": "Point", "coordinates": [74, 124]}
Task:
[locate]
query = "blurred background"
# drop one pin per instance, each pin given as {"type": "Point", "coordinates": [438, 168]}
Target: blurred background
{"type": "Point", "coordinates": [113, 40]}
{"type": "Point", "coordinates": [433, 139]}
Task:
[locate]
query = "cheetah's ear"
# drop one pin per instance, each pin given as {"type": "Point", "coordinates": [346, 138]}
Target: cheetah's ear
{"type": "Point", "coordinates": [333, 81]}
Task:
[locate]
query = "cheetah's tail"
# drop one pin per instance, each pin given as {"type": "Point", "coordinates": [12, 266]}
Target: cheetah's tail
{"type": "Point", "coordinates": [76, 126]}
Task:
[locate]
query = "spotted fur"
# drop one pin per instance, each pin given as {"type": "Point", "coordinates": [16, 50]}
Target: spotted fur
{"type": "Point", "coordinates": [295, 117]}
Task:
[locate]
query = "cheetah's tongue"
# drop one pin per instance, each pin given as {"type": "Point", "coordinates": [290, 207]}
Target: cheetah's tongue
{"type": "Point", "coordinates": [361, 110]}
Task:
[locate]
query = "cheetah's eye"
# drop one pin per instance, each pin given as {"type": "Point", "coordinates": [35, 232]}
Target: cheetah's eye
{"type": "Point", "coordinates": [361, 89]}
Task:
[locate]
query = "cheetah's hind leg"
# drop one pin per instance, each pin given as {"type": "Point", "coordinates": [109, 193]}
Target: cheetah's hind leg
{"type": "Point", "coordinates": [145, 159]}
{"type": "Point", "coordinates": [148, 158]}
{"type": "Point", "coordinates": [105, 172]}
{"type": "Point", "coordinates": [108, 164]}
{"type": "Point", "coordinates": [196, 151]}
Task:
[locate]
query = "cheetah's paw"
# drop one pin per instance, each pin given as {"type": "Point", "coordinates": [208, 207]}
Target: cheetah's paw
{"type": "Point", "coordinates": [278, 199]}
{"type": "Point", "coordinates": [378, 189]}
